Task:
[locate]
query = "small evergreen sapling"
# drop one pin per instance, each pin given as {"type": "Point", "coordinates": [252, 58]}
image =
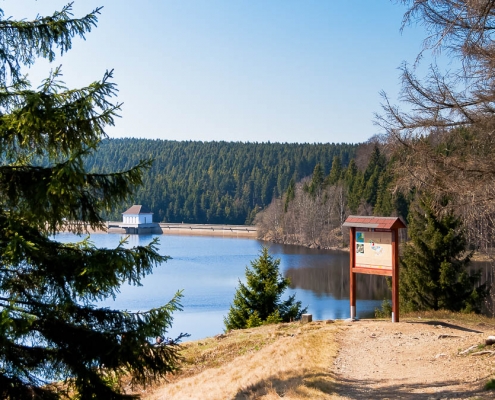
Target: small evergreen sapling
{"type": "Point", "coordinates": [258, 301]}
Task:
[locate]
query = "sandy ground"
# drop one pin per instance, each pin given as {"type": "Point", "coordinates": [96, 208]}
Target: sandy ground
{"type": "Point", "coordinates": [412, 360]}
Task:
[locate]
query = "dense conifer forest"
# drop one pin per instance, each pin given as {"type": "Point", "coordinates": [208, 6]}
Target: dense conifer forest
{"type": "Point", "coordinates": [213, 182]}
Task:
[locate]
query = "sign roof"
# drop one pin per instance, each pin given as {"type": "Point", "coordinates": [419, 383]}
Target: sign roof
{"type": "Point", "coordinates": [356, 221]}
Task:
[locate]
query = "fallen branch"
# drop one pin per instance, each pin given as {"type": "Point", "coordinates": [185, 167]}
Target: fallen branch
{"type": "Point", "coordinates": [447, 336]}
{"type": "Point", "coordinates": [480, 353]}
{"type": "Point", "coordinates": [468, 350]}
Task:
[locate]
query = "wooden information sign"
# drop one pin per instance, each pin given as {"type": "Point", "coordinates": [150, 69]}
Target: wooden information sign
{"type": "Point", "coordinates": [374, 249]}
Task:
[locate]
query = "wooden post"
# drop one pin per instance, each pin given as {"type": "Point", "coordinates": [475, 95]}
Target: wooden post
{"type": "Point", "coordinates": [395, 275]}
{"type": "Point", "coordinates": [352, 258]}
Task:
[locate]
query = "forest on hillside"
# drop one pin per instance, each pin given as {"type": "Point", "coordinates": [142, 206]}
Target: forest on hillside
{"type": "Point", "coordinates": [379, 182]}
{"type": "Point", "coordinates": [213, 182]}
{"type": "Point", "coordinates": [312, 210]}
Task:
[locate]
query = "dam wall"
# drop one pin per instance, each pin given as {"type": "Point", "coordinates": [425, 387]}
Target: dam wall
{"type": "Point", "coordinates": [247, 231]}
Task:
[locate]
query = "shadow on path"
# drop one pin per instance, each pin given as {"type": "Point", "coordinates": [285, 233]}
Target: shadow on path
{"type": "Point", "coordinates": [330, 384]}
{"type": "Point", "coordinates": [445, 325]}
{"type": "Point", "coordinates": [362, 389]}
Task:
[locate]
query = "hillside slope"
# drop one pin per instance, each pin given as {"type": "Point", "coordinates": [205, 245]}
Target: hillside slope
{"type": "Point", "coordinates": [417, 358]}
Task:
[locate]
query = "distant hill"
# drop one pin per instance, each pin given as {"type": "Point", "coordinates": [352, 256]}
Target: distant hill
{"type": "Point", "coordinates": [213, 182]}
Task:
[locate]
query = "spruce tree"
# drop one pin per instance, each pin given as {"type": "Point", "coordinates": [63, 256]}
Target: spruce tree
{"type": "Point", "coordinates": [317, 183]}
{"type": "Point", "coordinates": [384, 205]}
{"type": "Point", "coordinates": [258, 301]}
{"type": "Point", "coordinates": [434, 270]}
{"type": "Point", "coordinates": [370, 191]}
{"type": "Point", "coordinates": [374, 170]}
{"type": "Point", "coordinates": [377, 160]}
{"type": "Point", "coordinates": [50, 328]}
{"type": "Point", "coordinates": [290, 195]}
{"type": "Point", "coordinates": [336, 171]}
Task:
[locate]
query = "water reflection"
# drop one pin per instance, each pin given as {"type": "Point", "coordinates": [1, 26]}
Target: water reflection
{"type": "Point", "coordinates": [323, 280]}
{"type": "Point", "coordinates": [320, 279]}
{"type": "Point", "coordinates": [208, 269]}
{"type": "Point", "coordinates": [326, 273]}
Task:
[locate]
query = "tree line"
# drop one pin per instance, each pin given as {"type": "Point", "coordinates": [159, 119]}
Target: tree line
{"type": "Point", "coordinates": [212, 182]}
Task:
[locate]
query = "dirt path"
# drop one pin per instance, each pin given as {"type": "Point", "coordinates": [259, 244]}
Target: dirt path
{"type": "Point", "coordinates": [412, 360]}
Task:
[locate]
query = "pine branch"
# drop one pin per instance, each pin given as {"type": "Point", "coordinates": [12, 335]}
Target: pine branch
{"type": "Point", "coordinates": [21, 42]}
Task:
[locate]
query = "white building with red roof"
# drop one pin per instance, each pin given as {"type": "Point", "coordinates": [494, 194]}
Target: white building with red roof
{"type": "Point", "coordinates": [137, 215]}
{"type": "Point", "coordinates": [137, 219]}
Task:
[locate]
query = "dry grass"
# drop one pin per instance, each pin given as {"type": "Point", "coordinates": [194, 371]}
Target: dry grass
{"type": "Point", "coordinates": [287, 360]}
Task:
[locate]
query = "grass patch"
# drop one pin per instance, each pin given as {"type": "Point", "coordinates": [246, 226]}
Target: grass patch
{"type": "Point", "coordinates": [490, 385]}
{"type": "Point", "coordinates": [385, 311]}
{"type": "Point", "coordinates": [290, 359]}
{"type": "Point", "coordinates": [214, 352]}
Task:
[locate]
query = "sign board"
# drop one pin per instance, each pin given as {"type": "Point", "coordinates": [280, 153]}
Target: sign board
{"type": "Point", "coordinates": [373, 249]}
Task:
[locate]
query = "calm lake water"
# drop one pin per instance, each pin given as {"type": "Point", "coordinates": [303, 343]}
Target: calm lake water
{"type": "Point", "coordinates": [208, 270]}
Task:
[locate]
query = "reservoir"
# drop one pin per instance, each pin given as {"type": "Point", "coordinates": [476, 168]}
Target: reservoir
{"type": "Point", "coordinates": [208, 269]}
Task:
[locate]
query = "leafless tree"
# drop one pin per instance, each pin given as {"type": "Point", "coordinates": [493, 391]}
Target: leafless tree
{"type": "Point", "coordinates": [270, 222]}
{"type": "Point", "coordinates": [313, 220]}
{"type": "Point", "coordinates": [445, 140]}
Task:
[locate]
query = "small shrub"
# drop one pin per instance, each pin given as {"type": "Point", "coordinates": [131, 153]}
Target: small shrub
{"type": "Point", "coordinates": [261, 295]}
{"type": "Point", "coordinates": [273, 318]}
{"type": "Point", "coordinates": [254, 320]}
{"type": "Point", "coordinates": [385, 311]}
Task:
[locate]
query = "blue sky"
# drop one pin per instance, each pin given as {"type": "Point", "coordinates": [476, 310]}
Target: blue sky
{"type": "Point", "coordinates": [239, 70]}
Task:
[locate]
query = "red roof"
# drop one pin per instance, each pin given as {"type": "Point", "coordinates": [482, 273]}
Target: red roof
{"type": "Point", "coordinates": [137, 209]}
{"type": "Point", "coordinates": [374, 222]}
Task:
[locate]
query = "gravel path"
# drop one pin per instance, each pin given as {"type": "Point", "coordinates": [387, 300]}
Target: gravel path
{"type": "Point", "coordinates": [412, 360]}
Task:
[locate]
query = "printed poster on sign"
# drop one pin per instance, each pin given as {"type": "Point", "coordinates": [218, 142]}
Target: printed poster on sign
{"type": "Point", "coordinates": [374, 249]}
